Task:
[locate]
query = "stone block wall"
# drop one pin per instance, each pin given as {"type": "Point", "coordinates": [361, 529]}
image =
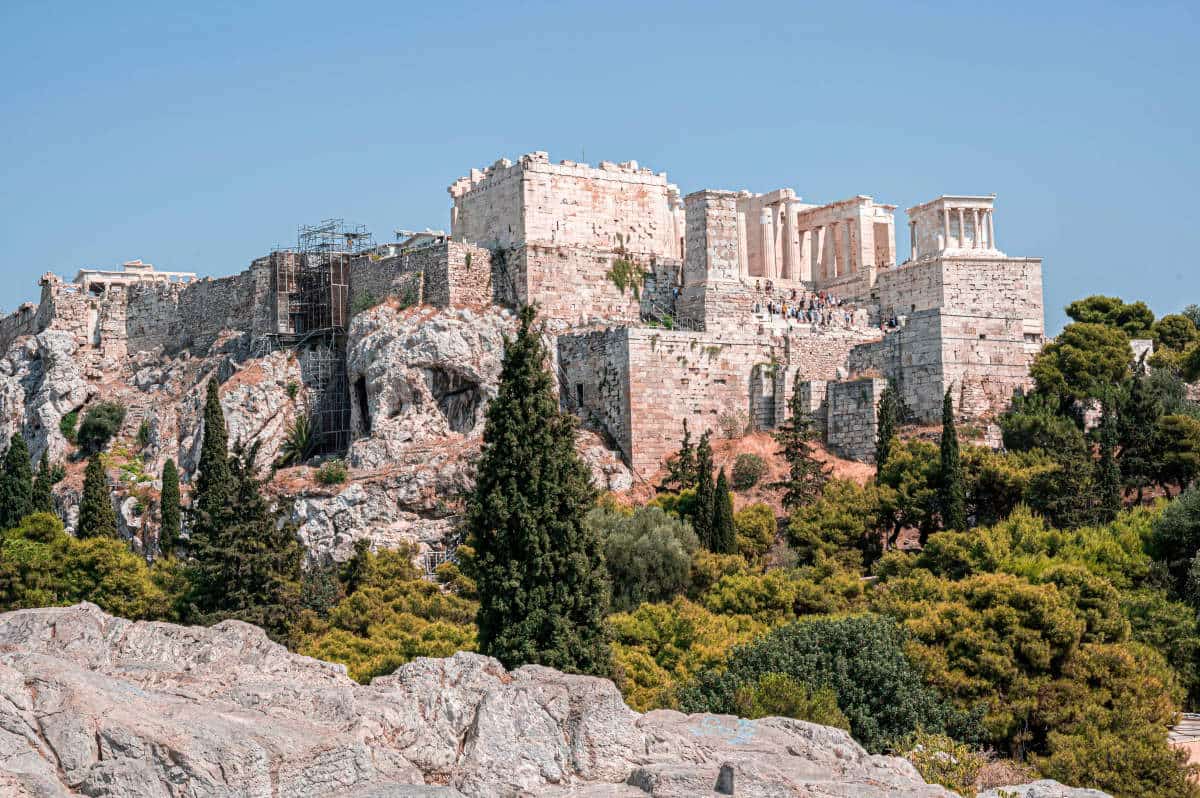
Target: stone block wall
{"type": "Point", "coordinates": [594, 382]}
{"type": "Point", "coordinates": [20, 322]}
{"type": "Point", "coordinates": [711, 264]}
{"type": "Point", "coordinates": [812, 400]}
{"type": "Point", "coordinates": [609, 207]}
{"type": "Point", "coordinates": [574, 286]}
{"type": "Point", "coordinates": [852, 417]}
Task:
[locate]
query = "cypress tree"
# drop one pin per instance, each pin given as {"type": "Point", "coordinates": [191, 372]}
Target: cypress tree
{"type": "Point", "coordinates": [43, 483]}
{"type": "Point", "coordinates": [97, 518]}
{"type": "Point", "coordinates": [213, 482]}
{"type": "Point", "coordinates": [16, 484]}
{"type": "Point", "coordinates": [1108, 476]}
{"type": "Point", "coordinates": [681, 469]}
{"type": "Point", "coordinates": [952, 493]}
{"type": "Point", "coordinates": [702, 517]}
{"type": "Point", "coordinates": [723, 531]}
{"type": "Point", "coordinates": [806, 474]}
{"type": "Point", "coordinates": [169, 511]}
{"type": "Point", "coordinates": [543, 587]}
{"type": "Point", "coordinates": [889, 415]}
{"type": "Point", "coordinates": [1138, 424]}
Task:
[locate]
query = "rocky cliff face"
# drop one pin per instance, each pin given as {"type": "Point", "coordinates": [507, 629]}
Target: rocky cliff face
{"type": "Point", "coordinates": [420, 383]}
{"type": "Point", "coordinates": [100, 706]}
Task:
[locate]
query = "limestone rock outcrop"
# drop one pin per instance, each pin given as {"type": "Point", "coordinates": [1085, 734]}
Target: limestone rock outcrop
{"type": "Point", "coordinates": [100, 706]}
{"type": "Point", "coordinates": [41, 381]}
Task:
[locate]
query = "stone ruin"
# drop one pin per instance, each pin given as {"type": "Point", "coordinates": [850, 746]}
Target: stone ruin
{"type": "Point", "coordinates": [659, 308]}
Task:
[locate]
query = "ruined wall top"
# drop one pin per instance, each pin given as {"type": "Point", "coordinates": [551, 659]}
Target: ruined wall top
{"type": "Point", "coordinates": [613, 206]}
{"type": "Point", "coordinates": [132, 272]}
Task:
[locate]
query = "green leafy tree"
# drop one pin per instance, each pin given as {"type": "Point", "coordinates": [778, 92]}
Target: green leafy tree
{"type": "Point", "coordinates": [1108, 473]}
{"type": "Point", "coordinates": [1192, 313]}
{"type": "Point", "coordinates": [706, 492]}
{"type": "Point", "coordinates": [1036, 421]}
{"type": "Point", "coordinates": [723, 530]}
{"type": "Point", "coordinates": [101, 422]}
{"type": "Point", "coordinates": [1134, 319]}
{"type": "Point", "coordinates": [16, 483]}
{"type": "Point", "coordinates": [540, 571]}
{"type": "Point", "coordinates": [41, 565]}
{"type": "Point", "coordinates": [890, 413]}
{"type": "Point", "coordinates": [169, 510]}
{"type": "Point", "coordinates": [97, 518]}
{"type": "Point", "coordinates": [952, 490]}
{"type": "Point", "coordinates": [214, 486]}
{"type": "Point", "coordinates": [648, 554]}
{"type": "Point", "coordinates": [681, 468]}
{"type": "Point", "coordinates": [748, 469]}
{"type": "Point", "coordinates": [43, 486]}
{"type": "Point", "coordinates": [1191, 364]}
{"type": "Point", "coordinates": [1179, 450]}
{"type": "Point", "coordinates": [756, 527]}
{"type": "Point", "coordinates": [1175, 332]}
{"type": "Point", "coordinates": [1105, 721]}
{"type": "Point", "coordinates": [861, 659]}
{"type": "Point", "coordinates": [1082, 361]}
{"type": "Point", "coordinates": [909, 489]}
{"type": "Point", "coordinates": [806, 474]}
{"type": "Point", "coordinates": [842, 525]}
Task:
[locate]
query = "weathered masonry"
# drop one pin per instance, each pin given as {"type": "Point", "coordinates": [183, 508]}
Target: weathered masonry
{"type": "Point", "coordinates": [712, 308]}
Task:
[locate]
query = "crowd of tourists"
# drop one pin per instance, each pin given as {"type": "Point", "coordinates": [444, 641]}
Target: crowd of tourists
{"type": "Point", "coordinates": [812, 307]}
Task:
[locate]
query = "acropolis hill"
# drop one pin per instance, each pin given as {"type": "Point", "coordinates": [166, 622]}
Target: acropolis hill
{"type": "Point", "coordinates": [665, 308]}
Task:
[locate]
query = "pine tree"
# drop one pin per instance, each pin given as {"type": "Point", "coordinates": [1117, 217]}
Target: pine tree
{"type": "Point", "coordinates": [1108, 474]}
{"type": "Point", "coordinates": [890, 413]}
{"type": "Point", "coordinates": [806, 474]}
{"type": "Point", "coordinates": [723, 531]}
{"type": "Point", "coordinates": [16, 484]}
{"type": "Point", "coordinates": [702, 516]}
{"type": "Point", "coordinates": [1138, 424]}
{"type": "Point", "coordinates": [543, 587]}
{"type": "Point", "coordinates": [97, 518]}
{"type": "Point", "coordinates": [169, 511]}
{"type": "Point", "coordinates": [43, 484]}
{"type": "Point", "coordinates": [681, 469]}
{"type": "Point", "coordinates": [952, 488]}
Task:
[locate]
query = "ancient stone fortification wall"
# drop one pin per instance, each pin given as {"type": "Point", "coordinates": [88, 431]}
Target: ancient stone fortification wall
{"type": "Point", "coordinates": [610, 207]}
{"type": "Point", "coordinates": [852, 417]}
{"type": "Point", "coordinates": [577, 285]}
{"type": "Point", "coordinates": [193, 316]}
{"type": "Point", "coordinates": [20, 322]}
{"type": "Point", "coordinates": [447, 273]}
{"type": "Point", "coordinates": [710, 267]}
{"type": "Point", "coordinates": [641, 383]}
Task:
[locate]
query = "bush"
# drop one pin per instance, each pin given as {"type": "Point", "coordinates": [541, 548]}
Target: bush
{"type": "Point", "coordinates": [1176, 537]}
{"type": "Point", "coordinates": [860, 658]}
{"type": "Point", "coordinates": [748, 469]}
{"type": "Point", "coordinates": [779, 695]}
{"type": "Point", "coordinates": [734, 424]}
{"type": "Point", "coordinates": [941, 760]}
{"type": "Point", "coordinates": [143, 434]}
{"type": "Point", "coordinates": [648, 553]}
{"type": "Point", "coordinates": [100, 424]}
{"type": "Point", "coordinates": [332, 473]}
{"type": "Point", "coordinates": [297, 444]}
{"type": "Point", "coordinates": [68, 425]}
{"type": "Point", "coordinates": [292, 388]}
{"type": "Point", "coordinates": [755, 527]}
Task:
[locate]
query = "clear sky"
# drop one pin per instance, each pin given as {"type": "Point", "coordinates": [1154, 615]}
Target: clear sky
{"type": "Point", "coordinates": [198, 135]}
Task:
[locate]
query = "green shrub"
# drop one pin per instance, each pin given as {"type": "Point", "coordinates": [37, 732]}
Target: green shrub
{"type": "Point", "coordinates": [100, 424]}
{"type": "Point", "coordinates": [143, 434]}
{"type": "Point", "coordinates": [779, 695]}
{"type": "Point", "coordinates": [292, 388]}
{"type": "Point", "coordinates": [297, 444]}
{"type": "Point", "coordinates": [332, 473]}
{"type": "Point", "coordinates": [648, 554]}
{"type": "Point", "coordinates": [68, 425]}
{"type": "Point", "coordinates": [941, 760]}
{"type": "Point", "coordinates": [364, 301]}
{"type": "Point", "coordinates": [748, 469]}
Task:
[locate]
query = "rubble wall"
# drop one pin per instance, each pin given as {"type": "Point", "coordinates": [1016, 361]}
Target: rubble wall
{"type": "Point", "coordinates": [194, 315]}
{"type": "Point", "coordinates": [23, 321]}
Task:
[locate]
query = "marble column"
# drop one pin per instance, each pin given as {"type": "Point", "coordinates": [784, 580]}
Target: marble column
{"type": "Point", "coordinates": [743, 254]}
{"type": "Point", "coordinates": [991, 228]}
{"type": "Point", "coordinates": [977, 241]}
{"type": "Point", "coordinates": [791, 249]}
{"type": "Point", "coordinates": [946, 226]}
{"type": "Point", "coordinates": [767, 233]}
{"type": "Point", "coordinates": [962, 230]}
{"type": "Point", "coordinates": [912, 240]}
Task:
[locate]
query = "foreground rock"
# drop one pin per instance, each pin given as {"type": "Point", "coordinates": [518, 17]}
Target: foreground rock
{"type": "Point", "coordinates": [100, 706]}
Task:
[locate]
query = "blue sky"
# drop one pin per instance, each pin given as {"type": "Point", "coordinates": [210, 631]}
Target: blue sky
{"type": "Point", "coordinates": [197, 138]}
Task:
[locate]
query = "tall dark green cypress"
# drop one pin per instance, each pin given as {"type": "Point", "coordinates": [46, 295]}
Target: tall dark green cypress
{"type": "Point", "coordinates": [952, 487]}
{"type": "Point", "coordinates": [806, 474]}
{"type": "Point", "coordinates": [43, 484]}
{"type": "Point", "coordinates": [214, 484]}
{"type": "Point", "coordinates": [16, 484]}
{"type": "Point", "coordinates": [169, 511]}
{"type": "Point", "coordinates": [1108, 473]}
{"type": "Point", "coordinates": [889, 415]}
{"type": "Point", "coordinates": [723, 530]}
{"type": "Point", "coordinates": [543, 587]}
{"type": "Point", "coordinates": [702, 516]}
{"type": "Point", "coordinates": [97, 518]}
{"type": "Point", "coordinates": [1138, 425]}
